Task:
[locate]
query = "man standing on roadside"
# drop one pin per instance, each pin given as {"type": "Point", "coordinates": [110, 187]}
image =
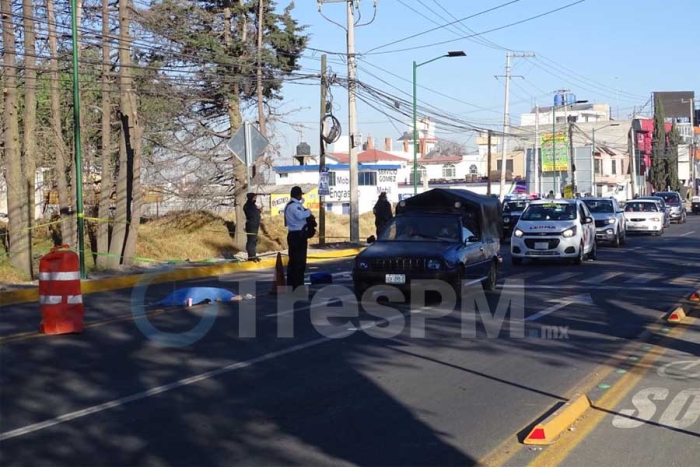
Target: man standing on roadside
{"type": "Point", "coordinates": [252, 225]}
{"type": "Point", "coordinates": [295, 219]}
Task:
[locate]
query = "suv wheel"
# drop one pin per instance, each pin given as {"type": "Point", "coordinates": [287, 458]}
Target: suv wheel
{"type": "Point", "coordinates": [623, 237]}
{"type": "Point", "coordinates": [579, 258]}
{"type": "Point", "coordinates": [593, 255]}
{"type": "Point", "coordinates": [490, 282]}
{"type": "Point", "coordinates": [618, 241]}
{"type": "Point", "coordinates": [683, 218]}
{"type": "Point", "coordinates": [457, 284]}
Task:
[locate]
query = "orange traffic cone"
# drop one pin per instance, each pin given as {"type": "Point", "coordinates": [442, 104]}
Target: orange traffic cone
{"type": "Point", "coordinates": [279, 275]}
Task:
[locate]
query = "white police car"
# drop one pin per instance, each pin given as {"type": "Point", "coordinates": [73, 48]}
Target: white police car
{"type": "Point", "coordinates": [554, 229]}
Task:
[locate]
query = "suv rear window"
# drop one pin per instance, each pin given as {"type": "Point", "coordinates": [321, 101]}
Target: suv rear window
{"type": "Point", "coordinates": [671, 198]}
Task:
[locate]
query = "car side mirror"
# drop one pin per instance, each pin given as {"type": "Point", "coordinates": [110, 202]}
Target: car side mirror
{"type": "Point", "coordinates": [472, 239]}
{"type": "Point", "coordinates": [371, 239]}
{"type": "Point", "coordinates": [588, 220]}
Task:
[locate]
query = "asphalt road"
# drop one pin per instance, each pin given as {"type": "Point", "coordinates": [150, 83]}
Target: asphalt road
{"type": "Point", "coordinates": [262, 382]}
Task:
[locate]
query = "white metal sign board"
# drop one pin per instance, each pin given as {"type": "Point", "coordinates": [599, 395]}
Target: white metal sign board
{"type": "Point", "coordinates": [247, 144]}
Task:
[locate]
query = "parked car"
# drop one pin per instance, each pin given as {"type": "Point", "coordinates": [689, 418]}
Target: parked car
{"type": "Point", "coordinates": [443, 234]}
{"type": "Point", "coordinates": [644, 216]}
{"type": "Point", "coordinates": [676, 205]}
{"type": "Point", "coordinates": [512, 210]}
{"type": "Point", "coordinates": [695, 205]}
{"type": "Point", "coordinates": [555, 229]}
{"type": "Point", "coordinates": [664, 208]}
{"type": "Point", "coordinates": [610, 222]}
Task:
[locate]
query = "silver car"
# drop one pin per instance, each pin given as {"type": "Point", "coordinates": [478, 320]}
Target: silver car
{"type": "Point", "coordinates": [675, 204]}
{"type": "Point", "coordinates": [610, 222]}
{"type": "Point", "coordinates": [663, 206]}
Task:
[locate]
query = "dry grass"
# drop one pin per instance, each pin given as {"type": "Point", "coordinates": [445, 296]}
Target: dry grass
{"type": "Point", "coordinates": [198, 236]}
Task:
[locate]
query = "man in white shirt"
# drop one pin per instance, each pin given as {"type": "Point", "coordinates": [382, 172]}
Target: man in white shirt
{"type": "Point", "coordinates": [295, 216]}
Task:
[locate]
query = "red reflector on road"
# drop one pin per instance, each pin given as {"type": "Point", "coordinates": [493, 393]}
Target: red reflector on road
{"type": "Point", "coordinates": [537, 433]}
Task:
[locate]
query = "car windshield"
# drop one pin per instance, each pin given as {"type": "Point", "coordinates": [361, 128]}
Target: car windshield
{"type": "Point", "coordinates": [598, 207]}
{"type": "Point", "coordinates": [422, 229]}
{"type": "Point", "coordinates": [671, 198]}
{"type": "Point", "coordinates": [509, 206]}
{"type": "Point", "coordinates": [639, 206]}
{"type": "Point", "coordinates": [550, 212]}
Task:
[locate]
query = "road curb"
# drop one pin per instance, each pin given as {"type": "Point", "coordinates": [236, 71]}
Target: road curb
{"type": "Point", "coordinates": [16, 297]}
{"type": "Point", "coordinates": [549, 429]}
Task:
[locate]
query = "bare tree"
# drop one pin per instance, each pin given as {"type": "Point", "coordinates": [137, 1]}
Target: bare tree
{"type": "Point", "coordinates": [451, 148]}
{"type": "Point", "coordinates": [106, 156]}
{"type": "Point", "coordinates": [29, 117]}
{"type": "Point", "coordinates": [16, 187]}
{"type": "Point", "coordinates": [63, 165]}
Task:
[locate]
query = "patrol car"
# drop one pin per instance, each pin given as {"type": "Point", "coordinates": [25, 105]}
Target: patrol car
{"type": "Point", "coordinates": [554, 229]}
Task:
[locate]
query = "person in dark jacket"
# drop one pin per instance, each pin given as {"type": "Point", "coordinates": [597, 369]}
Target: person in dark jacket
{"type": "Point", "coordinates": [382, 213]}
{"type": "Point", "coordinates": [252, 225]}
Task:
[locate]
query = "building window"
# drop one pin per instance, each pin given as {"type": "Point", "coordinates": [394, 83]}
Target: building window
{"type": "Point", "coordinates": [596, 169]}
{"type": "Point", "coordinates": [367, 179]}
{"type": "Point", "coordinates": [284, 175]}
{"type": "Point", "coordinates": [614, 167]}
{"type": "Point", "coordinates": [329, 207]}
{"type": "Point", "coordinates": [422, 174]}
{"type": "Point", "coordinates": [473, 169]}
{"type": "Point", "coordinates": [331, 178]}
{"type": "Point", "coordinates": [346, 208]}
{"type": "Point", "coordinates": [449, 171]}
{"type": "Point", "coordinates": [509, 165]}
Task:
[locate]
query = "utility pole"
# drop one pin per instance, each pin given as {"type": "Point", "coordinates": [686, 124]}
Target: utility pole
{"type": "Point", "coordinates": [322, 155]}
{"type": "Point", "coordinates": [77, 141]}
{"type": "Point", "coordinates": [506, 120]}
{"type": "Point", "coordinates": [536, 154]}
{"type": "Point", "coordinates": [573, 162]}
{"type": "Point", "coordinates": [352, 117]}
{"type": "Point", "coordinates": [488, 166]}
{"type": "Point", "coordinates": [633, 165]}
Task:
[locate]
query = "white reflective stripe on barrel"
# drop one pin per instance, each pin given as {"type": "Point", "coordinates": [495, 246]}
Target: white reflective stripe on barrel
{"type": "Point", "coordinates": [74, 299]}
{"type": "Point", "coordinates": [50, 299]}
{"type": "Point", "coordinates": [59, 276]}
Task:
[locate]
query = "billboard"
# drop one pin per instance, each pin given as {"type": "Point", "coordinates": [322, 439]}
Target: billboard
{"type": "Point", "coordinates": [677, 105]}
{"type": "Point", "coordinates": [279, 201]}
{"type": "Point", "coordinates": [555, 153]}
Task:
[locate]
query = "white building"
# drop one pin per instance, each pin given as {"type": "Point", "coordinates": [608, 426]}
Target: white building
{"type": "Point", "coordinates": [373, 179]}
{"type": "Point", "coordinates": [578, 113]}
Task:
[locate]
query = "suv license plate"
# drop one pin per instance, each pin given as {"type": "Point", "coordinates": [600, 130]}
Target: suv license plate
{"type": "Point", "coordinates": [541, 245]}
{"type": "Point", "coordinates": [395, 278]}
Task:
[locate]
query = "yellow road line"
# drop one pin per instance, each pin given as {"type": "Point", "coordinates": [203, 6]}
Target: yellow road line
{"type": "Point", "coordinates": [556, 454]}
{"type": "Point", "coordinates": [16, 297]}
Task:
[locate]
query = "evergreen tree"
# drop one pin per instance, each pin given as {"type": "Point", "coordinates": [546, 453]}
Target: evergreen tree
{"type": "Point", "coordinates": [659, 175]}
{"type": "Point", "coordinates": [674, 139]}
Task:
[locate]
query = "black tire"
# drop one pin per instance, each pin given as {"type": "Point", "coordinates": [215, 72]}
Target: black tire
{"type": "Point", "coordinates": [593, 255]}
{"type": "Point", "coordinates": [683, 219]}
{"type": "Point", "coordinates": [359, 291]}
{"type": "Point", "coordinates": [579, 258]}
{"type": "Point", "coordinates": [457, 282]}
{"type": "Point", "coordinates": [623, 238]}
{"type": "Point", "coordinates": [490, 282]}
{"type": "Point", "coordinates": [516, 261]}
{"type": "Point", "coordinates": [617, 242]}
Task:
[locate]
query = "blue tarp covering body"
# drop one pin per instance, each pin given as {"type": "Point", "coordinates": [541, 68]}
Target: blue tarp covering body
{"type": "Point", "coordinates": [198, 295]}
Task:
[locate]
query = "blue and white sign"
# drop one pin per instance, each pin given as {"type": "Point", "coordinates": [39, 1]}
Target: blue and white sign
{"type": "Point", "coordinates": [323, 188]}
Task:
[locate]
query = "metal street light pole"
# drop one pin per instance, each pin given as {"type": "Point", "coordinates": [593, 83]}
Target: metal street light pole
{"type": "Point", "coordinates": [415, 112]}
{"type": "Point", "coordinates": [76, 137]}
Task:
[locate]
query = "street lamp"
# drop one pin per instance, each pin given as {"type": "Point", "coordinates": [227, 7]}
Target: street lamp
{"type": "Point", "coordinates": [554, 146]}
{"type": "Point", "coordinates": [415, 117]}
{"type": "Point", "coordinates": [593, 153]}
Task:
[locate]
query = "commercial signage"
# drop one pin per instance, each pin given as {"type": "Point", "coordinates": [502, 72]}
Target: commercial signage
{"type": "Point", "coordinates": [555, 153]}
{"type": "Point", "coordinates": [279, 201]}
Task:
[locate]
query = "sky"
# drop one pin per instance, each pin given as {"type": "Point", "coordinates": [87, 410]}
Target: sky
{"type": "Point", "coordinates": [603, 51]}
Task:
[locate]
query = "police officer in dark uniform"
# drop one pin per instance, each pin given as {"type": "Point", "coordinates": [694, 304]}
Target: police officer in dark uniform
{"type": "Point", "coordinates": [252, 226]}
{"type": "Point", "coordinates": [295, 219]}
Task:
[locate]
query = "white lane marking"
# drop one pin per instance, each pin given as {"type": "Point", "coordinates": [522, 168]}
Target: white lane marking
{"type": "Point", "coordinates": [687, 279]}
{"type": "Point", "coordinates": [682, 371]}
{"type": "Point", "coordinates": [643, 278]}
{"type": "Point", "coordinates": [687, 233]}
{"type": "Point", "coordinates": [601, 278]}
{"type": "Point", "coordinates": [578, 299]}
{"type": "Point", "coordinates": [560, 277]}
{"type": "Point", "coordinates": [176, 385]}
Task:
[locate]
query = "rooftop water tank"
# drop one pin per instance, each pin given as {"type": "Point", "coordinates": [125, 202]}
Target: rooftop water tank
{"type": "Point", "coordinates": [558, 99]}
{"type": "Point", "coordinates": [571, 99]}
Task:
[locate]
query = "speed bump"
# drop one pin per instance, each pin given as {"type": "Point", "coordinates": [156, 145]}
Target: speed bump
{"type": "Point", "coordinates": [676, 316]}
{"type": "Point", "coordinates": [551, 427]}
